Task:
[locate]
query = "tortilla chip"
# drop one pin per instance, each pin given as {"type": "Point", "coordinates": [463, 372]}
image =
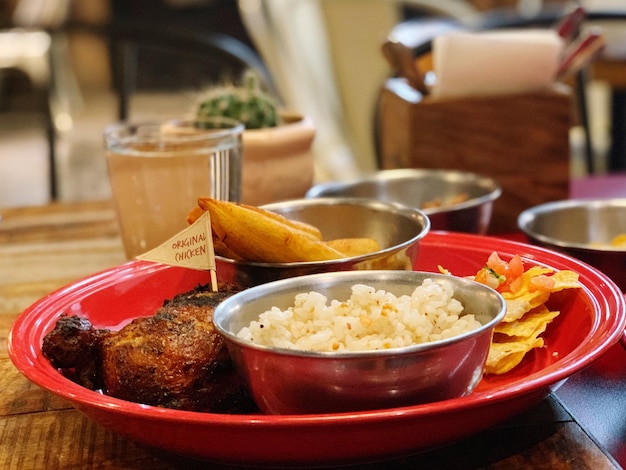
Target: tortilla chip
{"type": "Point", "coordinates": [532, 324]}
{"type": "Point", "coordinates": [527, 316]}
{"type": "Point", "coordinates": [526, 298]}
{"type": "Point", "coordinates": [521, 304]}
{"type": "Point", "coordinates": [565, 280]}
{"type": "Point", "coordinates": [526, 319]}
{"type": "Point", "coordinates": [511, 341]}
{"type": "Point", "coordinates": [505, 356]}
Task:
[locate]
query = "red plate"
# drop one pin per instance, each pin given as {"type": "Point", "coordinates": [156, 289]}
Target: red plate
{"type": "Point", "coordinates": [591, 321]}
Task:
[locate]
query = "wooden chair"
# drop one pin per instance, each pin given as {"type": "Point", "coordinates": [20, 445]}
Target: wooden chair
{"type": "Point", "coordinates": [35, 44]}
{"type": "Point", "coordinates": [213, 55]}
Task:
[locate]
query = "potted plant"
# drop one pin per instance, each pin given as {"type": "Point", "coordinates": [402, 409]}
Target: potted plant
{"type": "Point", "coordinates": [277, 157]}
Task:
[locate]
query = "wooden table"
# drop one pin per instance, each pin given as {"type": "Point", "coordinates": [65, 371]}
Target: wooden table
{"type": "Point", "coordinates": [42, 248]}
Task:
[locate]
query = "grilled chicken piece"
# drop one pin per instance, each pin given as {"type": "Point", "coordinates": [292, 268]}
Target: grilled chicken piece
{"type": "Point", "coordinates": [175, 359]}
{"type": "Point", "coordinates": [74, 347]}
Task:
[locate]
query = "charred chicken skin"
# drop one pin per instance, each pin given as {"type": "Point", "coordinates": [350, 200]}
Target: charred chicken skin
{"type": "Point", "coordinates": [174, 359]}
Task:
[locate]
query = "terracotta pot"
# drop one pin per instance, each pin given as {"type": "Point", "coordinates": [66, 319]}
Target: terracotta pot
{"type": "Point", "coordinates": [278, 161]}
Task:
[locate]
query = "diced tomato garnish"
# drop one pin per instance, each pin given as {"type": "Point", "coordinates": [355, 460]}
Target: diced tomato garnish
{"type": "Point", "coordinates": [510, 271]}
{"type": "Point", "coordinates": [541, 282]}
{"type": "Point", "coordinates": [496, 263]}
{"type": "Point", "coordinates": [516, 267]}
{"type": "Point", "coordinates": [517, 284]}
{"type": "Point", "coordinates": [488, 277]}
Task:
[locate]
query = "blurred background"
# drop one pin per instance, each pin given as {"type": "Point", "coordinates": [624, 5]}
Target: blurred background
{"type": "Point", "coordinates": [69, 68]}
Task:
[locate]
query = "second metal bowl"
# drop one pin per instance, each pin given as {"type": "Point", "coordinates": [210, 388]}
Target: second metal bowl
{"type": "Point", "coordinates": [582, 228]}
{"type": "Point", "coordinates": [398, 230]}
{"type": "Point", "coordinates": [453, 200]}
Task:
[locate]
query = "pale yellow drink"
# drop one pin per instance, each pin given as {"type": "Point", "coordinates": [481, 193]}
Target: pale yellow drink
{"type": "Point", "coordinates": [158, 172]}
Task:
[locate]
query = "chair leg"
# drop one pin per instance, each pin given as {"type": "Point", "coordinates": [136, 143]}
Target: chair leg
{"type": "Point", "coordinates": [51, 134]}
{"type": "Point", "coordinates": [51, 131]}
{"type": "Point", "coordinates": [617, 156]}
{"type": "Point", "coordinates": [125, 61]}
{"type": "Point", "coordinates": [581, 92]}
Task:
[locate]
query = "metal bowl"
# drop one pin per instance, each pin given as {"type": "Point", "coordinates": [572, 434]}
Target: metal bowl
{"type": "Point", "coordinates": [421, 188]}
{"type": "Point", "coordinates": [582, 228]}
{"type": "Point", "coordinates": [398, 230]}
{"type": "Point", "coordinates": [287, 381]}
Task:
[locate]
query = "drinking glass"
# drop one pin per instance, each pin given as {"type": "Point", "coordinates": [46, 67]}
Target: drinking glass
{"type": "Point", "coordinates": [158, 170]}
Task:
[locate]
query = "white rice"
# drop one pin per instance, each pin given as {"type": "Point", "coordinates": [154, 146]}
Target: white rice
{"type": "Point", "coordinates": [369, 320]}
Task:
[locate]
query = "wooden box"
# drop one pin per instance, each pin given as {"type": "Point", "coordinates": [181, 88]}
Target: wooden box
{"type": "Point", "coordinates": [521, 140]}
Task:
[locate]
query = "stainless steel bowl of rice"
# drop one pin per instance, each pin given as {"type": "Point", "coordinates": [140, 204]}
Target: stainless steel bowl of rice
{"type": "Point", "coordinates": [359, 340]}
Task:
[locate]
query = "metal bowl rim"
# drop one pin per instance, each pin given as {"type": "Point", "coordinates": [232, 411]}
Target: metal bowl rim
{"type": "Point", "coordinates": [527, 216]}
{"type": "Point", "coordinates": [495, 190]}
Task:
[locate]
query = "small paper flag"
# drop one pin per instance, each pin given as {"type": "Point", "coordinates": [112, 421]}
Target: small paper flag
{"type": "Point", "coordinates": [191, 248]}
